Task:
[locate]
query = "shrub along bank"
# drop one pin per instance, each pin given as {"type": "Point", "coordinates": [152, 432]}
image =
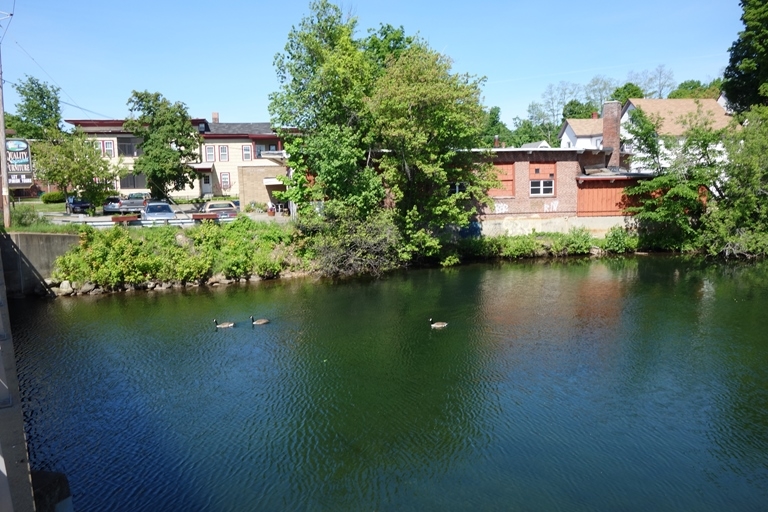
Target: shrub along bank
{"type": "Point", "coordinates": [333, 246]}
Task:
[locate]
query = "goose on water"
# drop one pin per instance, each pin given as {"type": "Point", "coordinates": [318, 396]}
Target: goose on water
{"type": "Point", "coordinates": [437, 325]}
{"type": "Point", "coordinates": [259, 321]}
{"type": "Point", "coordinates": [223, 325]}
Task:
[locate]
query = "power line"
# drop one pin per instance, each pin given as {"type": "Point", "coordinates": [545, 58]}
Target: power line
{"type": "Point", "coordinates": [48, 75]}
{"type": "Point", "coordinates": [10, 16]}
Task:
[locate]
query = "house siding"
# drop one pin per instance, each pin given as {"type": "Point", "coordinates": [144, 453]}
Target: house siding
{"type": "Point", "coordinates": [601, 198]}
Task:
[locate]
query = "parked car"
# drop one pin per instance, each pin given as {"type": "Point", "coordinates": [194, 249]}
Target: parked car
{"type": "Point", "coordinates": [158, 211]}
{"type": "Point", "coordinates": [223, 209]}
{"type": "Point", "coordinates": [134, 202]}
{"type": "Point", "coordinates": [111, 205]}
{"type": "Point", "coordinates": [77, 205]}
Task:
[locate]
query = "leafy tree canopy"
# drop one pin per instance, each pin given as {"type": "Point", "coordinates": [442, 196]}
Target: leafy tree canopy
{"type": "Point", "coordinates": [697, 89]}
{"type": "Point", "coordinates": [38, 111]}
{"type": "Point", "coordinates": [627, 91]}
{"type": "Point", "coordinates": [169, 142]}
{"type": "Point", "coordinates": [575, 109]}
{"type": "Point", "coordinates": [72, 163]}
{"type": "Point", "coordinates": [669, 207]}
{"type": "Point", "coordinates": [378, 118]}
{"type": "Point", "coordinates": [494, 128]}
{"type": "Point", "coordinates": [738, 224]}
{"type": "Point", "coordinates": [746, 76]}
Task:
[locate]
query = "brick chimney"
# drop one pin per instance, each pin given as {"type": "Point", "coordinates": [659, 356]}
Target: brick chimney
{"type": "Point", "coordinates": [215, 117]}
{"type": "Point", "coordinates": [611, 132]}
{"type": "Point", "coordinates": [495, 141]}
{"type": "Point", "coordinates": [594, 115]}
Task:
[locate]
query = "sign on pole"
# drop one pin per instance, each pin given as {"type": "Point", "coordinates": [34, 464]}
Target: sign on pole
{"type": "Point", "coordinates": [19, 163]}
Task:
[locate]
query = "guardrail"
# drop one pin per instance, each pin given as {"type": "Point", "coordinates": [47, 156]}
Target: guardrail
{"type": "Point", "coordinates": [108, 223]}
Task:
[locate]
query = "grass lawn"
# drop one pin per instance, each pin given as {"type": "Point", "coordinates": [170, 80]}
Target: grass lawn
{"type": "Point", "coordinates": [39, 206]}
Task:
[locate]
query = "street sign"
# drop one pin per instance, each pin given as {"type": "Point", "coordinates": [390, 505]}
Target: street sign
{"type": "Point", "coordinates": [19, 163]}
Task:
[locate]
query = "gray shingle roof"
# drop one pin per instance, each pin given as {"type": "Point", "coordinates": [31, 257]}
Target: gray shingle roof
{"type": "Point", "coordinates": [241, 128]}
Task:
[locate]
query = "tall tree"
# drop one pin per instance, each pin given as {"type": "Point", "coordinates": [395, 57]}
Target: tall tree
{"type": "Point", "coordinates": [494, 129]}
{"type": "Point", "coordinates": [599, 89]}
{"type": "Point", "coordinates": [426, 121]}
{"type": "Point", "coordinates": [575, 109]}
{"type": "Point", "coordinates": [169, 142]}
{"type": "Point", "coordinates": [72, 163]}
{"type": "Point", "coordinates": [324, 75]}
{"type": "Point", "coordinates": [38, 111]}
{"type": "Point", "coordinates": [687, 173]}
{"type": "Point", "coordinates": [627, 91]}
{"type": "Point", "coordinates": [555, 97]}
{"type": "Point", "coordinates": [662, 81]}
{"type": "Point", "coordinates": [738, 226]}
{"type": "Point", "coordinates": [697, 90]}
{"type": "Point", "coordinates": [746, 76]}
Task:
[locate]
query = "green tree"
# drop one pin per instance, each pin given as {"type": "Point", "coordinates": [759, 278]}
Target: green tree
{"type": "Point", "coordinates": [669, 207]}
{"type": "Point", "coordinates": [697, 89]}
{"type": "Point", "coordinates": [737, 225]}
{"type": "Point", "coordinates": [746, 76]}
{"type": "Point", "coordinates": [493, 128]}
{"type": "Point", "coordinates": [426, 121]}
{"type": "Point", "coordinates": [169, 141]}
{"type": "Point", "coordinates": [627, 91]}
{"type": "Point", "coordinates": [525, 131]}
{"type": "Point", "coordinates": [324, 75]}
{"type": "Point", "coordinates": [38, 111]}
{"type": "Point", "coordinates": [72, 163]}
{"type": "Point", "coordinates": [575, 109]}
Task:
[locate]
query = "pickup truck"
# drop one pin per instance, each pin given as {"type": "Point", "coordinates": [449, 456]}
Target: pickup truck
{"type": "Point", "coordinates": [133, 203]}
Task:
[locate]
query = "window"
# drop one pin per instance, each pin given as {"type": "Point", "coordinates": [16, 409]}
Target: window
{"type": "Point", "coordinates": [206, 179]}
{"type": "Point", "coordinates": [133, 181]}
{"type": "Point", "coordinates": [129, 146]}
{"type": "Point", "coordinates": [506, 174]}
{"type": "Point", "coordinates": [109, 148]}
{"type": "Point", "coordinates": [210, 154]}
{"type": "Point", "coordinates": [542, 187]}
{"type": "Point", "coordinates": [455, 188]}
{"type": "Point", "coordinates": [247, 153]}
{"type": "Point", "coordinates": [225, 183]}
{"type": "Point", "coordinates": [224, 153]}
{"type": "Point", "coordinates": [259, 149]}
{"type": "Point", "coordinates": [273, 147]}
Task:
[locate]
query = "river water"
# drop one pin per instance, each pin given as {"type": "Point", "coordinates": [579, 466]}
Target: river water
{"type": "Point", "coordinates": [627, 384]}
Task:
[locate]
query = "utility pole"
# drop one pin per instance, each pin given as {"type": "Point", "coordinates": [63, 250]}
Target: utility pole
{"type": "Point", "coordinates": [3, 147]}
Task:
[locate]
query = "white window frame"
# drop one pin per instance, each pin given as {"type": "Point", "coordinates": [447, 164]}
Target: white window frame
{"type": "Point", "coordinates": [247, 153]}
{"type": "Point", "coordinates": [206, 179]}
{"type": "Point", "coordinates": [225, 181]}
{"type": "Point", "coordinates": [210, 153]}
{"type": "Point", "coordinates": [537, 188]}
{"type": "Point", "coordinates": [224, 153]}
{"type": "Point", "coordinates": [108, 149]}
{"type": "Point", "coordinates": [259, 149]}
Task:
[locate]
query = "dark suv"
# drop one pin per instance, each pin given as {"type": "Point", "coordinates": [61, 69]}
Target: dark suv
{"type": "Point", "coordinates": [77, 205]}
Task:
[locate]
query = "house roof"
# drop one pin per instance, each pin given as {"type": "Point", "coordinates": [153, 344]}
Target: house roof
{"type": "Point", "coordinates": [541, 144]}
{"type": "Point", "coordinates": [241, 129]}
{"type": "Point", "coordinates": [673, 111]}
{"type": "Point", "coordinates": [584, 127]}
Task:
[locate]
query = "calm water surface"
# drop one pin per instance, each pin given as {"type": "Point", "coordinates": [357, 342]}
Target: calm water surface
{"type": "Point", "coordinates": [637, 384]}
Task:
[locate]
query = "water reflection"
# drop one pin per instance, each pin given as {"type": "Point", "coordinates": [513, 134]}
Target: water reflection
{"type": "Point", "coordinates": [630, 384]}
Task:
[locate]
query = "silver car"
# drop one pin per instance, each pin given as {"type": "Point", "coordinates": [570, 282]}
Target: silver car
{"type": "Point", "coordinates": [158, 211]}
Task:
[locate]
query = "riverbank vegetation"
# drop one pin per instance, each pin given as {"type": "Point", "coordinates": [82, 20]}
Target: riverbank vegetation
{"type": "Point", "coordinates": [330, 246]}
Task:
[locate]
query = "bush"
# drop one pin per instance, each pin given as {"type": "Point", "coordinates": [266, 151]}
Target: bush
{"type": "Point", "coordinates": [52, 197]}
{"type": "Point", "coordinates": [521, 246]}
{"type": "Point", "coordinates": [619, 241]}
{"type": "Point", "coordinates": [24, 215]}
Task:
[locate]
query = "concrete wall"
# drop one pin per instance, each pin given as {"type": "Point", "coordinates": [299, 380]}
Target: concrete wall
{"type": "Point", "coordinates": [495, 225]}
{"type": "Point", "coordinates": [15, 477]}
{"type": "Point", "coordinates": [251, 180]}
{"type": "Point", "coordinates": [28, 258]}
